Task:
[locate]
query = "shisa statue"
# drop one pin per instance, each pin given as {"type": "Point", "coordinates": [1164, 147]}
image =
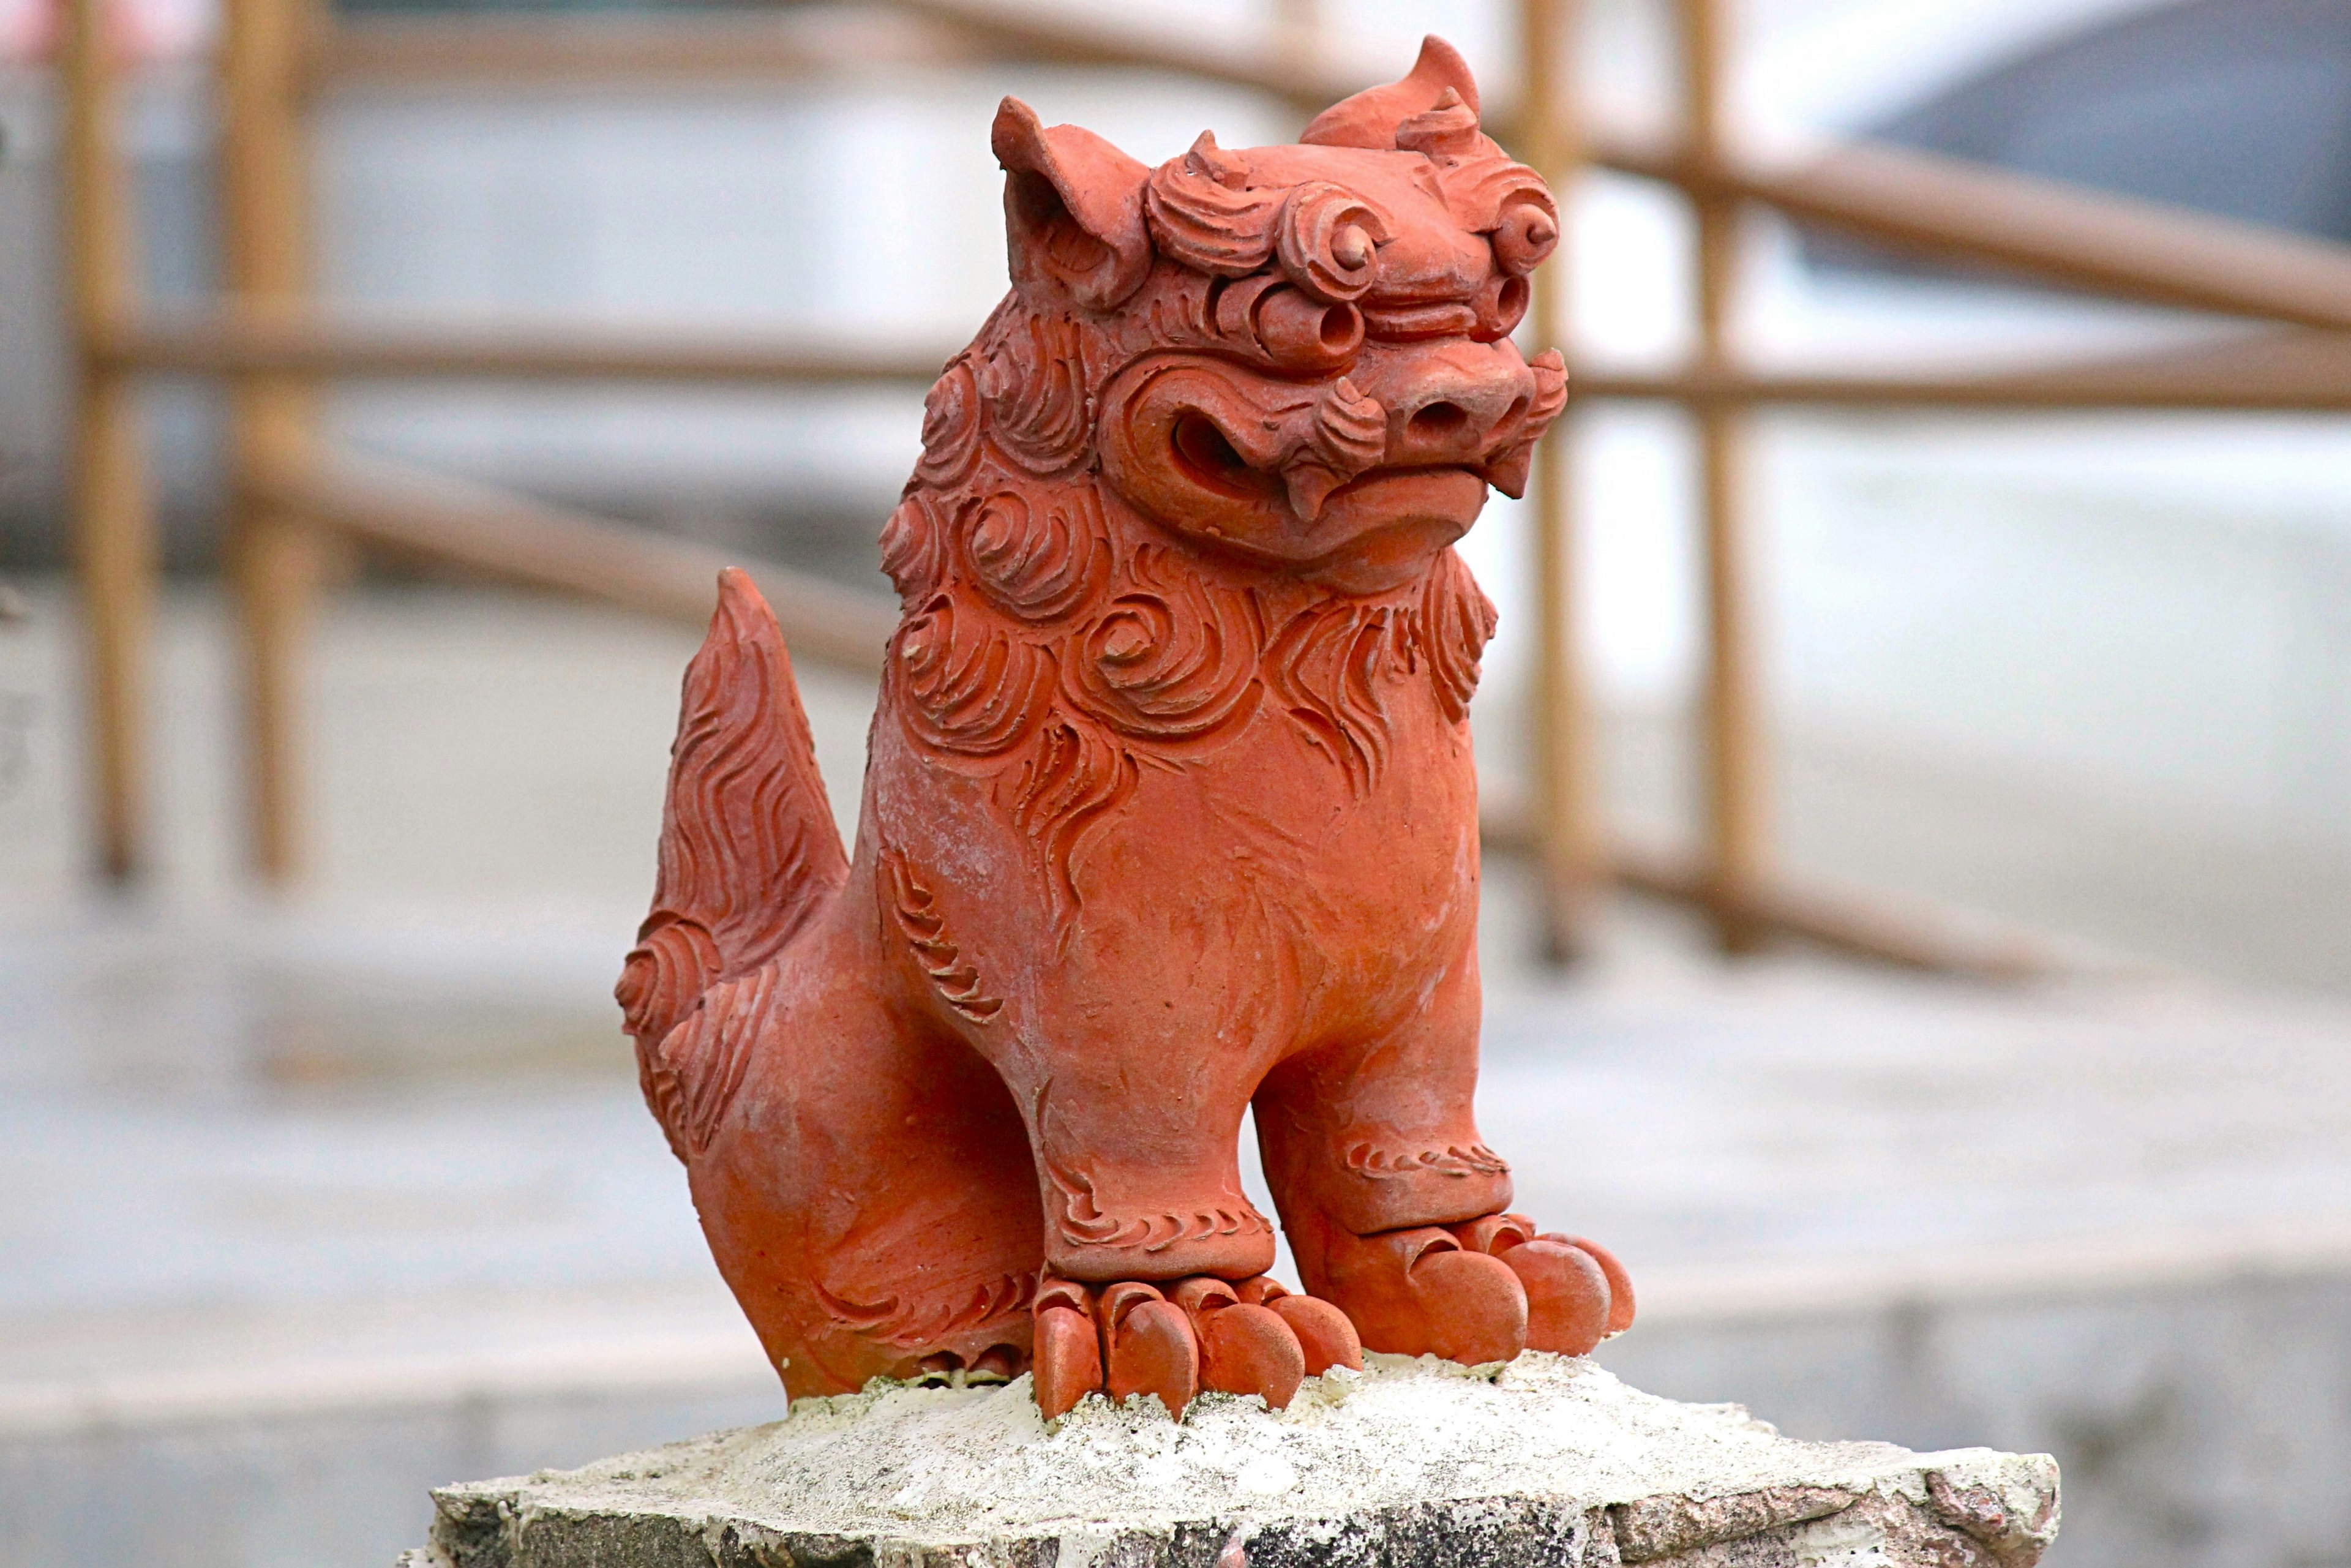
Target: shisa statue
{"type": "Point", "coordinates": [1169, 808]}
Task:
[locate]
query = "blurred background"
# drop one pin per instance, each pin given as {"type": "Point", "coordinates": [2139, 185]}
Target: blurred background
{"type": "Point", "coordinates": [1939, 785]}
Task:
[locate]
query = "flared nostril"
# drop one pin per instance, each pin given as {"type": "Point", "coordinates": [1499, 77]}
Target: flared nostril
{"type": "Point", "coordinates": [1437, 422]}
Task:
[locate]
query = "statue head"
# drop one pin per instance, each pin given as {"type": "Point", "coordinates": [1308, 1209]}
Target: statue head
{"type": "Point", "coordinates": [1293, 359]}
{"type": "Point", "coordinates": [1208, 457]}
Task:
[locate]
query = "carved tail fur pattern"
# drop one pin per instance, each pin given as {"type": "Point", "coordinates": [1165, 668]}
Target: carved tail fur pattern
{"type": "Point", "coordinates": [748, 855]}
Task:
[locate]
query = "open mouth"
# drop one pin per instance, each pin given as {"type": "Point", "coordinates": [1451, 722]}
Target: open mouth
{"type": "Point", "coordinates": [1370, 528]}
{"type": "Point", "coordinates": [1424, 501]}
{"type": "Point", "coordinates": [1199, 450]}
{"type": "Point", "coordinates": [1316, 476]}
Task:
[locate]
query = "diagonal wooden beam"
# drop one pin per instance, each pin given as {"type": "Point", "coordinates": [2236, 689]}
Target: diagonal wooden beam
{"type": "Point", "coordinates": [2063, 234]}
{"type": "Point", "coordinates": [681, 46]}
{"type": "Point", "coordinates": [516, 539]}
{"type": "Point", "coordinates": [1842, 919]}
{"type": "Point", "coordinates": [1062, 35]}
{"type": "Point", "coordinates": [232, 341]}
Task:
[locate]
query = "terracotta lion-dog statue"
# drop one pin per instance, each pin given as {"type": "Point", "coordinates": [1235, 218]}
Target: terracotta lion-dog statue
{"type": "Point", "coordinates": [1169, 810]}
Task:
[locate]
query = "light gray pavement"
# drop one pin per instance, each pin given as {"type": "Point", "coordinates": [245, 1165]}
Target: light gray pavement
{"type": "Point", "coordinates": [304, 1208]}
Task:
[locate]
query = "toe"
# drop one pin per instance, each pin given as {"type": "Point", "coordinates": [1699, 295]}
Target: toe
{"type": "Point", "coordinates": [1326, 1336]}
{"type": "Point", "coordinates": [996, 1363]}
{"type": "Point", "coordinates": [1476, 1308]}
{"type": "Point", "coordinates": [1152, 1350]}
{"type": "Point", "coordinates": [1567, 1295]}
{"type": "Point", "coordinates": [1068, 1355]}
{"type": "Point", "coordinates": [1620, 1283]}
{"type": "Point", "coordinates": [1248, 1349]}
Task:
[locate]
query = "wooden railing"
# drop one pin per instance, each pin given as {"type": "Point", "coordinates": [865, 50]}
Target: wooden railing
{"type": "Point", "coordinates": [272, 349]}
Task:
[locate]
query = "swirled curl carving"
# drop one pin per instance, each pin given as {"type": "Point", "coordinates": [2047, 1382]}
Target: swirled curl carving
{"type": "Point", "coordinates": [913, 546]}
{"type": "Point", "coordinates": [1032, 379]}
{"type": "Point", "coordinates": [1038, 559]}
{"type": "Point", "coordinates": [1202, 214]}
{"type": "Point", "coordinates": [1457, 620]}
{"type": "Point", "coordinates": [1484, 190]}
{"type": "Point", "coordinates": [1170, 662]}
{"type": "Point", "coordinates": [674, 959]}
{"type": "Point", "coordinates": [971, 686]}
{"type": "Point", "coordinates": [1328, 241]}
{"type": "Point", "coordinates": [950, 428]}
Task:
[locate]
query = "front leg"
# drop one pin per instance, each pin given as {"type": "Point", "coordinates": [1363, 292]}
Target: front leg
{"type": "Point", "coordinates": [1132, 1079]}
{"type": "Point", "coordinates": [1397, 1210]}
{"type": "Point", "coordinates": [1155, 1259]}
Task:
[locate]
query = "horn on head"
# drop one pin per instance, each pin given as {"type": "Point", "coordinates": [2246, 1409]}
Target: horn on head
{"type": "Point", "coordinates": [1369, 118]}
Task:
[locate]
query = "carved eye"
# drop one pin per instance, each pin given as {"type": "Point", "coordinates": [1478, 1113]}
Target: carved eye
{"type": "Point", "coordinates": [1528, 232]}
{"type": "Point", "coordinates": [1329, 242]}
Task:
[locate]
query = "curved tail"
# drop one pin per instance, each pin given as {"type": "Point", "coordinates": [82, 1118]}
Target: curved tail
{"type": "Point", "coordinates": [749, 851]}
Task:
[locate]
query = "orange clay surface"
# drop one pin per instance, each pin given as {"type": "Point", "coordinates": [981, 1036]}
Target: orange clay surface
{"type": "Point", "coordinates": [1169, 808]}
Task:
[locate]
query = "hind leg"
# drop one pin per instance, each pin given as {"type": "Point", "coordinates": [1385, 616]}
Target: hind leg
{"type": "Point", "coordinates": [868, 1191]}
{"type": "Point", "coordinates": [1396, 1211]}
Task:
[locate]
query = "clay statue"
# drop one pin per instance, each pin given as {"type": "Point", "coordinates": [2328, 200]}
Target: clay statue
{"type": "Point", "coordinates": [1169, 809]}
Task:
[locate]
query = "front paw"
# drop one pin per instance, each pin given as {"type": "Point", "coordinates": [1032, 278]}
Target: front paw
{"type": "Point", "coordinates": [1479, 1291]}
{"type": "Point", "coordinates": [1577, 1293]}
{"type": "Point", "coordinates": [1132, 1337]}
{"type": "Point", "coordinates": [1422, 1293]}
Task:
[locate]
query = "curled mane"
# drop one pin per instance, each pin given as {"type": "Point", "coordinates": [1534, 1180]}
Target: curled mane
{"type": "Point", "coordinates": [1056, 641]}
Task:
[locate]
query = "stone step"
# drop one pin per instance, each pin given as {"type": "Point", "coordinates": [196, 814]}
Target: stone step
{"type": "Point", "coordinates": [1548, 1462]}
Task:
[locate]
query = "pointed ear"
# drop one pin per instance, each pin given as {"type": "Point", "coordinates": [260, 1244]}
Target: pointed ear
{"type": "Point", "coordinates": [1370, 118]}
{"type": "Point", "coordinates": [1072, 209]}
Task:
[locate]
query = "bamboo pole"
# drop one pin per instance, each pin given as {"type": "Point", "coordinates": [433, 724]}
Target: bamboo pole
{"type": "Point", "coordinates": [675, 46]}
{"type": "Point", "coordinates": [1938, 207]}
{"type": "Point", "coordinates": [1570, 857]}
{"type": "Point", "coordinates": [1737, 824]}
{"type": "Point", "coordinates": [274, 559]}
{"type": "Point", "coordinates": [2281, 371]}
{"type": "Point", "coordinates": [281, 342]}
{"type": "Point", "coordinates": [1061, 36]}
{"type": "Point", "coordinates": [2291, 372]}
{"type": "Point", "coordinates": [1845, 919]}
{"type": "Point", "coordinates": [515, 538]}
{"type": "Point", "coordinates": [2109, 245]}
{"type": "Point", "coordinates": [113, 512]}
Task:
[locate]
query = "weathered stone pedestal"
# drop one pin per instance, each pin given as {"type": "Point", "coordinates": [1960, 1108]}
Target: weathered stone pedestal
{"type": "Point", "coordinates": [1546, 1461]}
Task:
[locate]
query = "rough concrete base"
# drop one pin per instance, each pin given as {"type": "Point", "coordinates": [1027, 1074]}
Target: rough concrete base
{"type": "Point", "coordinates": [1549, 1460]}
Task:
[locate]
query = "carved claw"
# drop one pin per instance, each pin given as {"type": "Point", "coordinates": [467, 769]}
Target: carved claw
{"type": "Point", "coordinates": [1132, 1338]}
{"type": "Point", "coordinates": [1244, 1348]}
{"type": "Point", "coordinates": [1148, 1345]}
{"type": "Point", "coordinates": [1069, 1349]}
{"type": "Point", "coordinates": [1577, 1293]}
{"type": "Point", "coordinates": [1326, 1336]}
{"type": "Point", "coordinates": [996, 1363]}
{"type": "Point", "coordinates": [1420, 1292]}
